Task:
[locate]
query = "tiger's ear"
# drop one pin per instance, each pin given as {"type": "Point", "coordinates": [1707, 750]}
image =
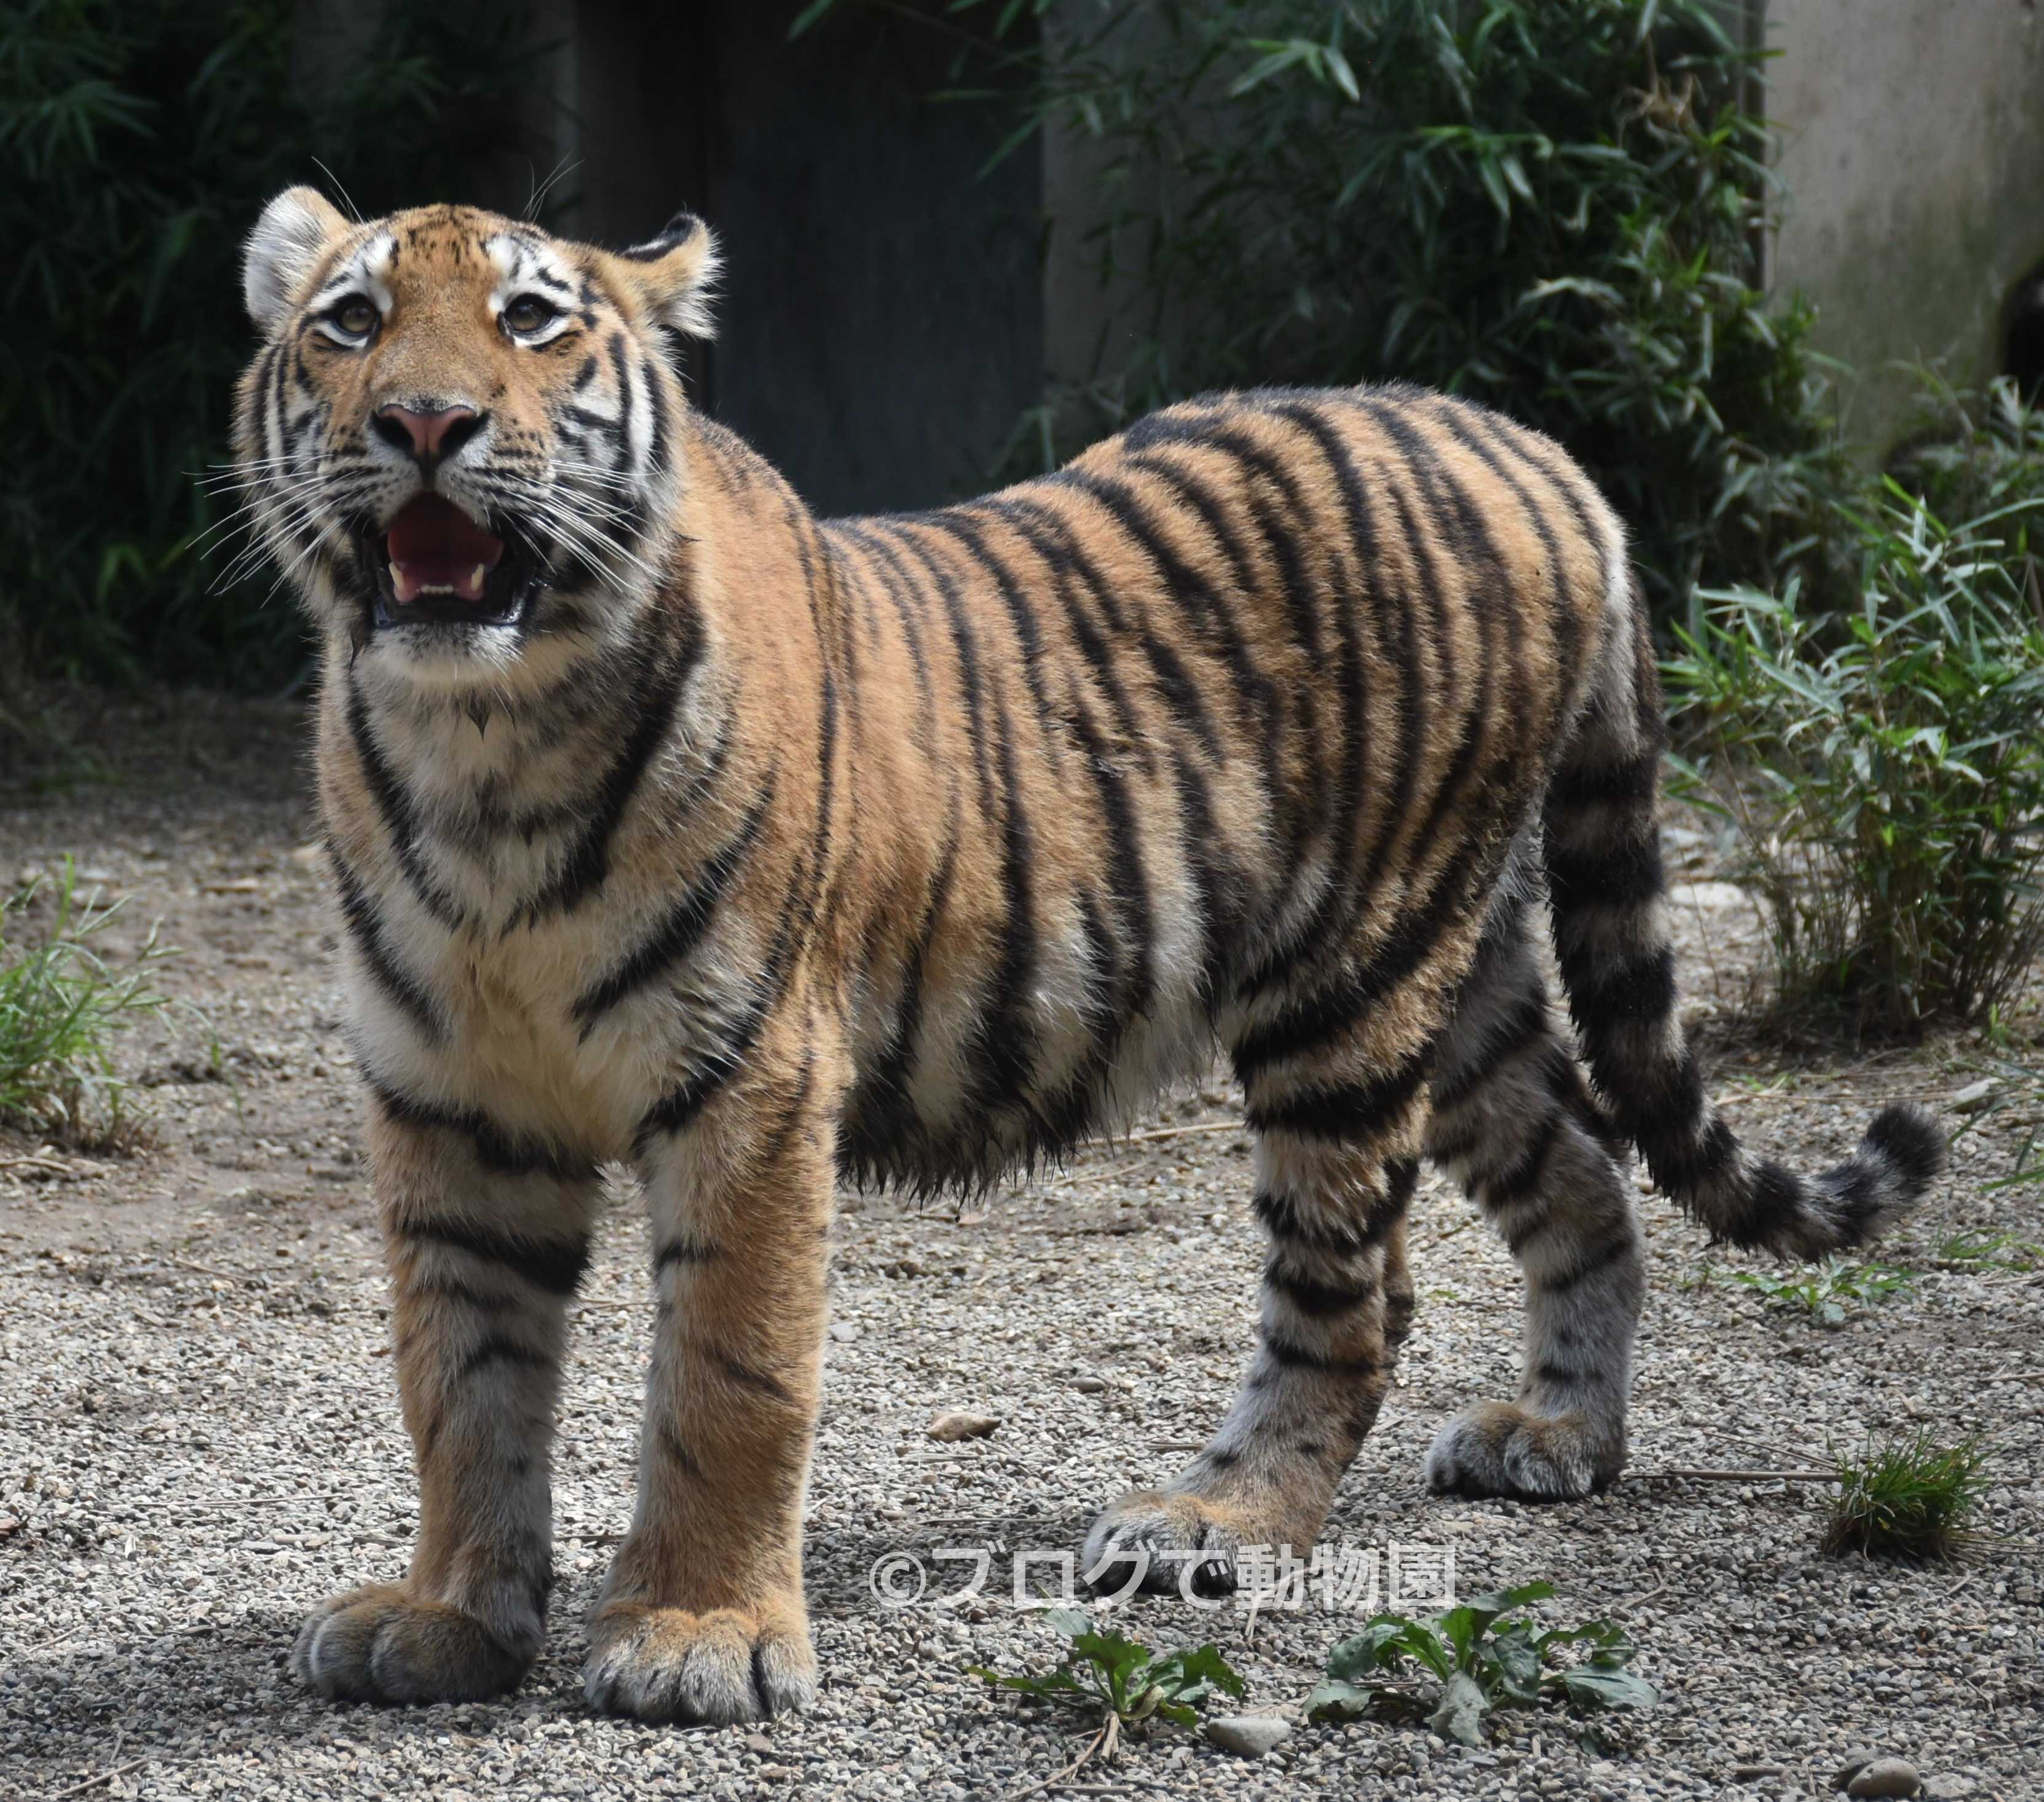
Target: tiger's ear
{"type": "Point", "coordinates": [674, 276]}
{"type": "Point", "coordinates": [294, 232]}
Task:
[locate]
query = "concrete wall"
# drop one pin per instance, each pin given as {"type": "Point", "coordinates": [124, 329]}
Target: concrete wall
{"type": "Point", "coordinates": [1912, 142]}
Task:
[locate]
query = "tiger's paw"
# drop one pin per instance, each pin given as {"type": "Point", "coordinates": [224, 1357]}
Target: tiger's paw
{"type": "Point", "coordinates": [1168, 1542]}
{"type": "Point", "coordinates": [667, 1665]}
{"type": "Point", "coordinates": [379, 1644]}
{"type": "Point", "coordinates": [1499, 1448]}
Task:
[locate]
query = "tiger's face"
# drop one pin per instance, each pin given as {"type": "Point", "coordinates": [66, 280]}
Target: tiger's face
{"type": "Point", "coordinates": [459, 436]}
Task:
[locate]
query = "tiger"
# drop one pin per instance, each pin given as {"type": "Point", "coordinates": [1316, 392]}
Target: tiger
{"type": "Point", "coordinates": [671, 827]}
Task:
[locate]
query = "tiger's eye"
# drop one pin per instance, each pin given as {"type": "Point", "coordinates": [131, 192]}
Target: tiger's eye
{"type": "Point", "coordinates": [356, 317]}
{"type": "Point", "coordinates": [528, 313]}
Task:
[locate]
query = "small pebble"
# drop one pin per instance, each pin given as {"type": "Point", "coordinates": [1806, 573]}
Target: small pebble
{"type": "Point", "coordinates": [1950, 1786]}
{"type": "Point", "coordinates": [1886, 1777]}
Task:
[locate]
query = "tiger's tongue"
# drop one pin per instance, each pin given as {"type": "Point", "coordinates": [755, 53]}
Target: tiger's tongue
{"type": "Point", "coordinates": [434, 547]}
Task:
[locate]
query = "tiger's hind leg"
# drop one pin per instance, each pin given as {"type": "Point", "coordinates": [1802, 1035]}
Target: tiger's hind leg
{"type": "Point", "coordinates": [1513, 1122]}
{"type": "Point", "coordinates": [1338, 1140]}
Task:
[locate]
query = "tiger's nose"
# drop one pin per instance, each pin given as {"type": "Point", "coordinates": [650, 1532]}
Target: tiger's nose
{"type": "Point", "coordinates": [428, 439]}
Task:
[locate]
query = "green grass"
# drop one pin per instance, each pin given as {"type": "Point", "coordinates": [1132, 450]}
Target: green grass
{"type": "Point", "coordinates": [62, 1006]}
{"type": "Point", "coordinates": [1982, 1249]}
{"type": "Point", "coordinates": [1459, 1668]}
{"type": "Point", "coordinates": [1906, 1498]}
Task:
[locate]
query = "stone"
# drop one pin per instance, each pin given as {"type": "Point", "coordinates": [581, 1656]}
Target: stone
{"type": "Point", "coordinates": [844, 1332]}
{"type": "Point", "coordinates": [1853, 1763]}
{"type": "Point", "coordinates": [1950, 1787]}
{"type": "Point", "coordinates": [1089, 1385]}
{"type": "Point", "coordinates": [1249, 1735]}
{"type": "Point", "coordinates": [1886, 1777]}
{"type": "Point", "coordinates": [951, 1427]}
{"type": "Point", "coordinates": [1974, 1096]}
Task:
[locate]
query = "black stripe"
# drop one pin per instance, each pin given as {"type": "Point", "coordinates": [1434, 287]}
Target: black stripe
{"type": "Point", "coordinates": [679, 1106]}
{"type": "Point", "coordinates": [556, 1265]}
{"type": "Point", "coordinates": [749, 1376]}
{"type": "Point", "coordinates": [1524, 1023]}
{"type": "Point", "coordinates": [498, 1149]}
{"type": "Point", "coordinates": [1292, 1357]}
{"type": "Point", "coordinates": [1626, 873]}
{"type": "Point", "coordinates": [394, 810]}
{"type": "Point", "coordinates": [1521, 1177]}
{"type": "Point", "coordinates": [359, 915]}
{"type": "Point", "coordinates": [1631, 785]}
{"type": "Point", "coordinates": [1624, 990]}
{"type": "Point", "coordinates": [677, 1453]}
{"type": "Point", "coordinates": [1593, 1263]}
{"type": "Point", "coordinates": [1347, 1111]}
{"type": "Point", "coordinates": [682, 928]}
{"type": "Point", "coordinates": [1182, 692]}
{"type": "Point", "coordinates": [499, 1349]}
{"type": "Point", "coordinates": [684, 1252]}
{"type": "Point", "coordinates": [587, 863]}
{"type": "Point", "coordinates": [1319, 1300]}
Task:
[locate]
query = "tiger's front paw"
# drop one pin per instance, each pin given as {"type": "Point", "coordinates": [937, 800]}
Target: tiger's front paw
{"type": "Point", "coordinates": [380, 1645]}
{"type": "Point", "coordinates": [726, 1664]}
{"type": "Point", "coordinates": [1501, 1448]}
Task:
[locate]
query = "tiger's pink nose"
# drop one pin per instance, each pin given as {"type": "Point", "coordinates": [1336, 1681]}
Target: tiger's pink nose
{"type": "Point", "coordinates": [427, 437]}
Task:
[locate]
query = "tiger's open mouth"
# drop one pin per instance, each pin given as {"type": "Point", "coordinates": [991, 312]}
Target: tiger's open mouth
{"type": "Point", "coordinates": [433, 565]}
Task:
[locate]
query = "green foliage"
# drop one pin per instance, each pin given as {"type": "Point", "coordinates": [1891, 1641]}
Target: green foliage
{"type": "Point", "coordinates": [1553, 205]}
{"type": "Point", "coordinates": [1906, 1498]}
{"type": "Point", "coordinates": [1884, 766]}
{"type": "Point", "coordinates": [60, 1008]}
{"type": "Point", "coordinates": [140, 140]}
{"type": "Point", "coordinates": [1127, 1683]}
{"type": "Point", "coordinates": [1823, 1293]}
{"type": "Point", "coordinates": [1459, 1668]}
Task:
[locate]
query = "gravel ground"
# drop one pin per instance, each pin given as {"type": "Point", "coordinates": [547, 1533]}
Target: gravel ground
{"type": "Point", "coordinates": [201, 1439]}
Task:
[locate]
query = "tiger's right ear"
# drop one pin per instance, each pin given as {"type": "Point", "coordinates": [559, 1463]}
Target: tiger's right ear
{"type": "Point", "coordinates": [295, 231]}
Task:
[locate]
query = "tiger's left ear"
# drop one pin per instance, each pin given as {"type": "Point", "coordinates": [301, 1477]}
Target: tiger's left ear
{"type": "Point", "coordinates": [674, 276]}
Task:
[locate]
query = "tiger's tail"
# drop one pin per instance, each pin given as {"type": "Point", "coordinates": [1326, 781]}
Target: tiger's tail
{"type": "Point", "coordinates": [1607, 892]}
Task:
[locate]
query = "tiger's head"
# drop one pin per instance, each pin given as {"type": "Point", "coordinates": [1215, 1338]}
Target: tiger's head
{"type": "Point", "coordinates": [459, 436]}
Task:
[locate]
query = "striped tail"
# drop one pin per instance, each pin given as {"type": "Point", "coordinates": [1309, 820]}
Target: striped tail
{"type": "Point", "coordinates": [1608, 891]}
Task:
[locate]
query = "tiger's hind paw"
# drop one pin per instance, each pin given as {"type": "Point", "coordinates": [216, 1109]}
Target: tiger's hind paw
{"type": "Point", "coordinates": [1501, 1448]}
{"type": "Point", "coordinates": [380, 1645]}
{"type": "Point", "coordinates": [1165, 1541]}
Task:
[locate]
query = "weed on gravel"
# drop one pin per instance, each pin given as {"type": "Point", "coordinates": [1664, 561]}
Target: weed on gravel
{"type": "Point", "coordinates": [61, 1007]}
{"type": "Point", "coordinates": [1906, 1498]}
{"type": "Point", "coordinates": [1456, 1669]}
{"type": "Point", "coordinates": [1125, 1684]}
{"type": "Point", "coordinates": [1822, 1292]}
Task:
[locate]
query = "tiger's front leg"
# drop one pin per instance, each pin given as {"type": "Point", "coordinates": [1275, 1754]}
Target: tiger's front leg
{"type": "Point", "coordinates": [703, 1618]}
{"type": "Point", "coordinates": [486, 1239]}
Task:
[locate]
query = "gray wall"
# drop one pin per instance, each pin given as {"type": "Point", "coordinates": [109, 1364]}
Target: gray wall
{"type": "Point", "coordinates": [1912, 142]}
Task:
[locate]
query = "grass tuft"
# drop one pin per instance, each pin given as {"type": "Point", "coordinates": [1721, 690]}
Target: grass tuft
{"type": "Point", "coordinates": [1908, 1499]}
{"type": "Point", "coordinates": [61, 1007]}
